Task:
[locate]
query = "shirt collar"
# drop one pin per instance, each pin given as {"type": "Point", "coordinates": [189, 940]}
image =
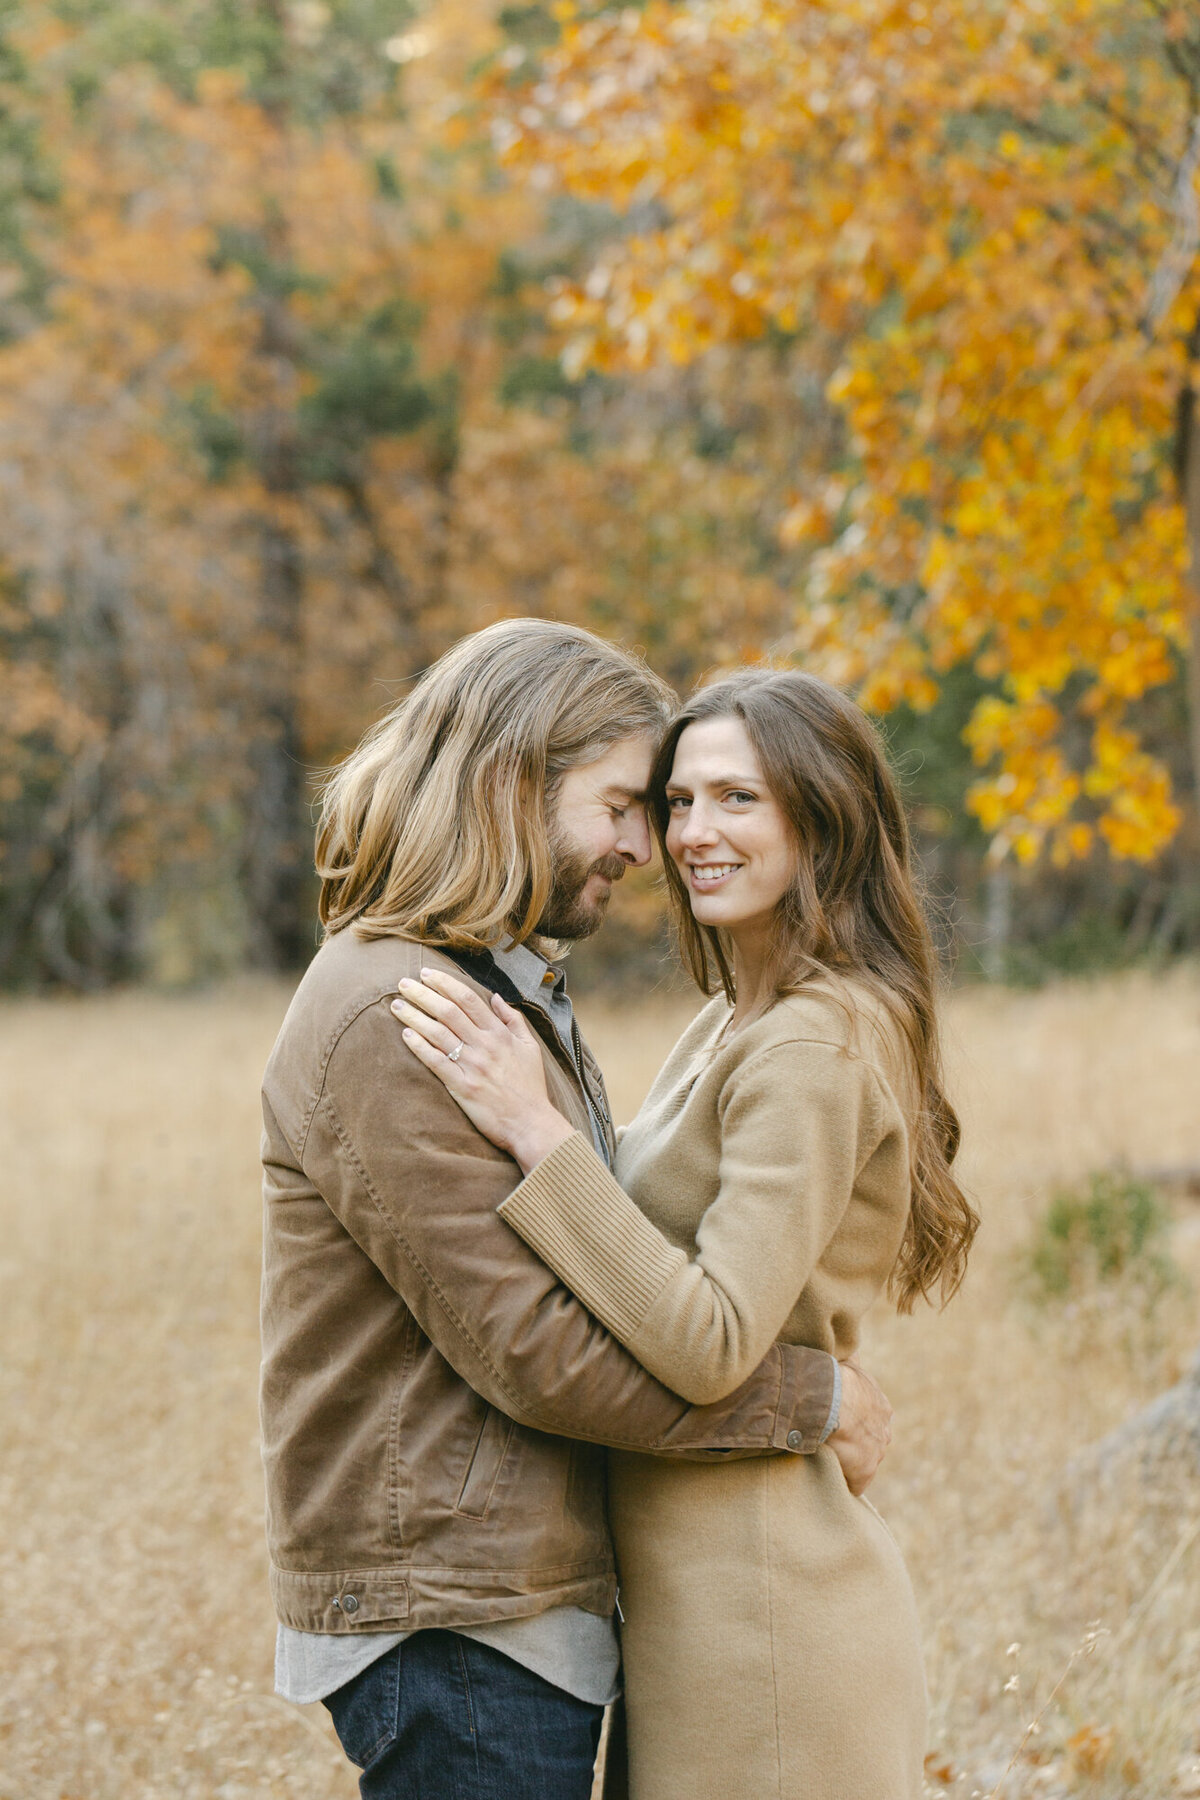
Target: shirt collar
{"type": "Point", "coordinates": [537, 979]}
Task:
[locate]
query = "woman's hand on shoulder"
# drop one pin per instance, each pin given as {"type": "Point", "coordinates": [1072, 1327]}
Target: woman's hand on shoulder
{"type": "Point", "coordinates": [487, 1059]}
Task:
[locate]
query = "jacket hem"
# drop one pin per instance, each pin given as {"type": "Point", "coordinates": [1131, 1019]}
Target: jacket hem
{"type": "Point", "coordinates": [346, 1602]}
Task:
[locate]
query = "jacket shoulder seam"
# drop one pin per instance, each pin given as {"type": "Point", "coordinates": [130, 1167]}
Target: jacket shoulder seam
{"type": "Point", "coordinates": [354, 1012]}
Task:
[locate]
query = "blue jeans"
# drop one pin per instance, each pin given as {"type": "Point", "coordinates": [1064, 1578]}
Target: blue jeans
{"type": "Point", "coordinates": [441, 1717]}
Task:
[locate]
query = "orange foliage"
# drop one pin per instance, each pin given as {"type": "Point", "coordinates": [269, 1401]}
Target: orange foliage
{"type": "Point", "coordinates": [955, 211]}
{"type": "Point", "coordinates": [243, 550]}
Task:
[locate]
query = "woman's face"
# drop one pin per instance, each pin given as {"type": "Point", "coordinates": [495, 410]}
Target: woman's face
{"type": "Point", "coordinates": [727, 834]}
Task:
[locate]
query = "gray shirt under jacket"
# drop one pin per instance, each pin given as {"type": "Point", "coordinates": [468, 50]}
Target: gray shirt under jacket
{"type": "Point", "coordinates": [575, 1650]}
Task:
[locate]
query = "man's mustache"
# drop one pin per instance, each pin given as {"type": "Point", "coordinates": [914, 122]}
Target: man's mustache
{"type": "Point", "coordinates": [611, 866]}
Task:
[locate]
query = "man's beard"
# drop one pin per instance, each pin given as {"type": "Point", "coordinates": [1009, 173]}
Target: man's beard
{"type": "Point", "coordinates": [567, 914]}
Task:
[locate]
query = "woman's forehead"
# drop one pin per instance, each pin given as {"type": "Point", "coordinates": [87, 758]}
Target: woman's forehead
{"type": "Point", "coordinates": [710, 749]}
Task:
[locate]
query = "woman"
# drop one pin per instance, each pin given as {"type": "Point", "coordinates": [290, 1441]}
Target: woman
{"type": "Point", "coordinates": [791, 1161]}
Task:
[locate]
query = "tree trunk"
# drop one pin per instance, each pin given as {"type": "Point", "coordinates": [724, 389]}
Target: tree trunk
{"type": "Point", "coordinates": [1188, 469]}
{"type": "Point", "coordinates": [278, 862]}
{"type": "Point", "coordinates": [277, 866]}
{"type": "Point", "coordinates": [998, 921]}
{"type": "Point", "coordinates": [278, 838]}
{"type": "Point", "coordinates": [1190, 474]}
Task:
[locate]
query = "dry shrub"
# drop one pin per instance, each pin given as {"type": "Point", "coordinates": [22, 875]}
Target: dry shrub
{"type": "Point", "coordinates": [1108, 1231]}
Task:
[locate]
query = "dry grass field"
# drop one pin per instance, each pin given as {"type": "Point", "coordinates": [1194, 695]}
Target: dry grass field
{"type": "Point", "coordinates": [136, 1645]}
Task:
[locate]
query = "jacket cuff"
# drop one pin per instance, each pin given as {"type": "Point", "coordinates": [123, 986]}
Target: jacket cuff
{"type": "Point", "coordinates": [835, 1405]}
{"type": "Point", "coordinates": [807, 1390]}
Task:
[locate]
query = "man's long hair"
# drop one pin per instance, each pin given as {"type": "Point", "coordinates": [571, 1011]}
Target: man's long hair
{"type": "Point", "coordinates": [437, 827]}
{"type": "Point", "coordinates": [852, 911]}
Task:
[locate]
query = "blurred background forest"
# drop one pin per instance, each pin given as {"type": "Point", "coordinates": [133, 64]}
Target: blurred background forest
{"type": "Point", "coordinates": [860, 333]}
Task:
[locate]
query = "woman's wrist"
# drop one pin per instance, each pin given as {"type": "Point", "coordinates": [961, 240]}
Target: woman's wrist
{"type": "Point", "coordinates": [537, 1136]}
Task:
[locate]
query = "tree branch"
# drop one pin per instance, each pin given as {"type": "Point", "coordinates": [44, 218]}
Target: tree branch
{"type": "Point", "coordinates": [1175, 265]}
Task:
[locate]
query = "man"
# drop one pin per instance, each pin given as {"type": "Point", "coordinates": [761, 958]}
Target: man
{"type": "Point", "coordinates": [433, 1402]}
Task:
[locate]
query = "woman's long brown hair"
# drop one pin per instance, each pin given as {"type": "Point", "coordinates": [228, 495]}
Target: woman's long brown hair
{"type": "Point", "coordinates": [852, 911]}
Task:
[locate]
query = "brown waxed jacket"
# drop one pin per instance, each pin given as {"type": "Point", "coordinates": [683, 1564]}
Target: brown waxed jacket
{"type": "Point", "coordinates": [433, 1400]}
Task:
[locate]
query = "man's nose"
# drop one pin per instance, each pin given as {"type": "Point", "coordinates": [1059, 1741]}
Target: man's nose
{"type": "Point", "coordinates": [635, 845]}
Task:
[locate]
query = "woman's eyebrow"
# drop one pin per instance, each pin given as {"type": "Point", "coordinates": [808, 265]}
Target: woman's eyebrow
{"type": "Point", "coordinates": [715, 781]}
{"type": "Point", "coordinates": [720, 781]}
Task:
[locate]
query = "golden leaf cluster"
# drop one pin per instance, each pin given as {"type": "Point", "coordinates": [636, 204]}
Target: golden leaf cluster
{"type": "Point", "coordinates": [972, 221]}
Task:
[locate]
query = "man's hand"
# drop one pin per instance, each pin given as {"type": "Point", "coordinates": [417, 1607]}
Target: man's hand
{"type": "Point", "coordinates": [864, 1428]}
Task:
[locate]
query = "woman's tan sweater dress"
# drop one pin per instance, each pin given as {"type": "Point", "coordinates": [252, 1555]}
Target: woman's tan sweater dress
{"type": "Point", "coordinates": [771, 1643]}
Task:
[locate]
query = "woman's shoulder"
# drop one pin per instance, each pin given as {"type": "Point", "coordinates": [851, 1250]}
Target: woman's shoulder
{"type": "Point", "coordinates": [841, 1012]}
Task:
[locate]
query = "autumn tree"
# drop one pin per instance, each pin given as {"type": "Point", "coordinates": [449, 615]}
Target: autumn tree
{"type": "Point", "coordinates": [978, 226]}
{"type": "Point", "coordinates": [283, 408]}
{"type": "Point", "coordinates": [212, 429]}
{"type": "Point", "coordinates": [285, 425]}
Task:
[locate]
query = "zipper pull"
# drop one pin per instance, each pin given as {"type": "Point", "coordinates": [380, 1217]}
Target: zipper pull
{"type": "Point", "coordinates": [617, 1604]}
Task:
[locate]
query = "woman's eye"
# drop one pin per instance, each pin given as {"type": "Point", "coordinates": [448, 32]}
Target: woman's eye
{"type": "Point", "coordinates": [677, 802]}
{"type": "Point", "coordinates": [740, 794]}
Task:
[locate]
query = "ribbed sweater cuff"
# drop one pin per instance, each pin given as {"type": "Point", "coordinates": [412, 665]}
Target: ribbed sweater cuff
{"type": "Point", "coordinates": [584, 1225]}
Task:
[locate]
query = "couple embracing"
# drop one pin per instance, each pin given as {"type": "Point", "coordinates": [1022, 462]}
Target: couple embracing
{"type": "Point", "coordinates": [512, 1357]}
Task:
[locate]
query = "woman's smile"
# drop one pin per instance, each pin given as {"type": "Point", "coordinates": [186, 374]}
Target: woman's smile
{"type": "Point", "coordinates": [707, 877]}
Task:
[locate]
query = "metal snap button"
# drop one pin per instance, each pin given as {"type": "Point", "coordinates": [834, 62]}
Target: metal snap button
{"type": "Point", "coordinates": [350, 1604]}
{"type": "Point", "coordinates": [794, 1440]}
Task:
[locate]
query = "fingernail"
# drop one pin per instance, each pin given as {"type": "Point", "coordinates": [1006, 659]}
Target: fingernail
{"type": "Point", "coordinates": [407, 983]}
{"type": "Point", "coordinates": [426, 973]}
{"type": "Point", "coordinates": [398, 1007]}
{"type": "Point", "coordinates": [406, 1033]}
